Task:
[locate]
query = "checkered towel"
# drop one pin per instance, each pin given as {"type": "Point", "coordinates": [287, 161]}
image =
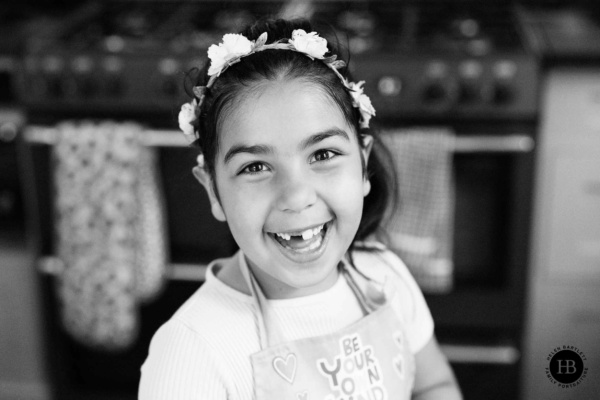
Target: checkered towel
{"type": "Point", "coordinates": [420, 230]}
{"type": "Point", "coordinates": [110, 230]}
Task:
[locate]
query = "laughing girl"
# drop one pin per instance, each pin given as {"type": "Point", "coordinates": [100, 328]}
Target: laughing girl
{"type": "Point", "coordinates": [311, 307]}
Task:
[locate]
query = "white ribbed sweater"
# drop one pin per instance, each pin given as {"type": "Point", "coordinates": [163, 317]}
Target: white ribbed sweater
{"type": "Point", "coordinates": [203, 351]}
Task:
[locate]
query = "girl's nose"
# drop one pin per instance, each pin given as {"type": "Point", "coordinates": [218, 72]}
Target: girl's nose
{"type": "Point", "coordinates": [295, 194]}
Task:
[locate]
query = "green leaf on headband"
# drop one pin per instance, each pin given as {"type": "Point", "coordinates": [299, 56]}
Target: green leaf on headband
{"type": "Point", "coordinates": [199, 91]}
{"type": "Point", "coordinates": [211, 81]}
{"type": "Point", "coordinates": [262, 39]}
{"type": "Point", "coordinates": [338, 64]}
{"type": "Point", "coordinates": [330, 59]}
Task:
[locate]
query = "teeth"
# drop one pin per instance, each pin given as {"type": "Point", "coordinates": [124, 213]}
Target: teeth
{"type": "Point", "coordinates": [306, 235]}
{"type": "Point", "coordinates": [284, 236]}
{"type": "Point", "coordinates": [315, 244]}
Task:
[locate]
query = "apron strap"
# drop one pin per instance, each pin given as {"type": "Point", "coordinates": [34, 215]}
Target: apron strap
{"type": "Point", "coordinates": [372, 294]}
{"type": "Point", "coordinates": [369, 299]}
{"type": "Point", "coordinates": [360, 296]}
{"type": "Point", "coordinates": [259, 298]}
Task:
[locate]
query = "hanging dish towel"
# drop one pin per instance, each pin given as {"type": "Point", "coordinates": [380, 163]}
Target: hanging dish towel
{"type": "Point", "coordinates": [420, 229]}
{"type": "Point", "coordinates": [109, 230]}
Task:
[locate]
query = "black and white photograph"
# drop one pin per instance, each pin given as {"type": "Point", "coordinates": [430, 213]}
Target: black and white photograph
{"type": "Point", "coordinates": [299, 199]}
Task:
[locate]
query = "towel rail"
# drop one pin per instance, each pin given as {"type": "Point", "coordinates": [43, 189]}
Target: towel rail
{"type": "Point", "coordinates": [154, 138]}
{"type": "Point", "coordinates": [511, 143]}
{"type": "Point", "coordinates": [51, 265]}
{"type": "Point", "coordinates": [471, 354]}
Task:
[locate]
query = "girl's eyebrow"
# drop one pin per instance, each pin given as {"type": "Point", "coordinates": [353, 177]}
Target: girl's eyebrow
{"type": "Point", "coordinates": [320, 136]}
{"type": "Point", "coordinates": [265, 149]}
{"type": "Point", "coordinates": [240, 148]}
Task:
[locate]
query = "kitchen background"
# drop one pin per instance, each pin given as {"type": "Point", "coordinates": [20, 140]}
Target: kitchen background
{"type": "Point", "coordinates": [496, 103]}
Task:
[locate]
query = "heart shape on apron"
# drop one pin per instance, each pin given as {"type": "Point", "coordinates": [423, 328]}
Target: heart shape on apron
{"type": "Point", "coordinates": [360, 361]}
{"type": "Point", "coordinates": [399, 339]}
{"type": "Point", "coordinates": [286, 368]}
{"type": "Point", "coordinates": [399, 366]}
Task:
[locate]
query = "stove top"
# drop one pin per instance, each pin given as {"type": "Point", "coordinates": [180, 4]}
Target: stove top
{"type": "Point", "coordinates": [423, 57]}
{"type": "Point", "coordinates": [476, 29]}
{"type": "Point", "coordinates": [467, 28]}
{"type": "Point", "coordinates": [563, 34]}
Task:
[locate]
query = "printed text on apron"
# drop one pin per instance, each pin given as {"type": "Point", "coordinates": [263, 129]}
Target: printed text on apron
{"type": "Point", "coordinates": [368, 360]}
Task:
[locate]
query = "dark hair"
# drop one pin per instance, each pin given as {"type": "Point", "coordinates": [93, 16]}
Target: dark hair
{"type": "Point", "coordinates": [241, 78]}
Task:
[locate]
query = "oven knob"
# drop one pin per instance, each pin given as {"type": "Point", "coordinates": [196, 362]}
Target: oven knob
{"type": "Point", "coordinates": [114, 86]}
{"type": "Point", "coordinates": [435, 92]}
{"type": "Point", "coordinates": [80, 87]}
{"type": "Point", "coordinates": [55, 86]}
{"type": "Point", "coordinates": [37, 86]}
{"type": "Point", "coordinates": [501, 93]}
{"type": "Point", "coordinates": [87, 87]}
{"type": "Point", "coordinates": [469, 92]}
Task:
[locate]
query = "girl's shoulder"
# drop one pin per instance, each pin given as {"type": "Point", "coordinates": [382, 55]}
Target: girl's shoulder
{"type": "Point", "coordinates": [373, 259]}
{"type": "Point", "coordinates": [375, 255]}
{"type": "Point", "coordinates": [215, 305]}
{"type": "Point", "coordinates": [370, 246]}
{"type": "Point", "coordinates": [377, 262]}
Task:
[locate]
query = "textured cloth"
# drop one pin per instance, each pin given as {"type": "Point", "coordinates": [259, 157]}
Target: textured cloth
{"type": "Point", "coordinates": [203, 351]}
{"type": "Point", "coordinates": [109, 230]}
{"type": "Point", "coordinates": [421, 229]}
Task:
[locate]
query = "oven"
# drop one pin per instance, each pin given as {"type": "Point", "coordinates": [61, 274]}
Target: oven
{"type": "Point", "coordinates": [458, 66]}
{"type": "Point", "coordinates": [11, 205]}
{"type": "Point", "coordinates": [81, 370]}
{"type": "Point", "coordinates": [12, 120]}
{"type": "Point", "coordinates": [466, 71]}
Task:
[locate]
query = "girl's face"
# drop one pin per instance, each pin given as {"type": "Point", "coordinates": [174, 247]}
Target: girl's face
{"type": "Point", "coordinates": [291, 186]}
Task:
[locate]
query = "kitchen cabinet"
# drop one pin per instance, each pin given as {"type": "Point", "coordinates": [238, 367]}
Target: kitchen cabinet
{"type": "Point", "coordinates": [22, 374]}
{"type": "Point", "coordinates": [565, 276]}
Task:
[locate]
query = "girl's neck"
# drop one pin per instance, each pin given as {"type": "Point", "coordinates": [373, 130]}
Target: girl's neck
{"type": "Point", "coordinates": [232, 276]}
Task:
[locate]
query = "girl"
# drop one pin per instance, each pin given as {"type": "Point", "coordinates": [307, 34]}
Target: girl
{"type": "Point", "coordinates": [306, 309]}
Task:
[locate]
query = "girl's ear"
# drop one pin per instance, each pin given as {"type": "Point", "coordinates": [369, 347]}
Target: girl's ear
{"type": "Point", "coordinates": [365, 148]}
{"type": "Point", "coordinates": [204, 178]}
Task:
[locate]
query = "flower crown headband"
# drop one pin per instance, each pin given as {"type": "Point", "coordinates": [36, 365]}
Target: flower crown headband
{"type": "Point", "coordinates": [235, 46]}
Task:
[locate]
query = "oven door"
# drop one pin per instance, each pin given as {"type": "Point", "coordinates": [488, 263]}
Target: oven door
{"type": "Point", "coordinates": [480, 322]}
{"type": "Point", "coordinates": [11, 210]}
{"type": "Point", "coordinates": [78, 371]}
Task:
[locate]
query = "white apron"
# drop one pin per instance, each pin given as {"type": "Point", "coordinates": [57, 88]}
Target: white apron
{"type": "Point", "coordinates": [368, 360]}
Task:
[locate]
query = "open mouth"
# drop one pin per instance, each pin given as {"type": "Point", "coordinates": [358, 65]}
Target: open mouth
{"type": "Point", "coordinates": [307, 240]}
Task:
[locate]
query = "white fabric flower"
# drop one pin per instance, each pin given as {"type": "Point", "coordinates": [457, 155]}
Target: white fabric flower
{"type": "Point", "coordinates": [200, 160]}
{"type": "Point", "coordinates": [233, 46]}
{"type": "Point", "coordinates": [187, 115]}
{"type": "Point", "coordinates": [362, 102]}
{"type": "Point", "coordinates": [309, 43]}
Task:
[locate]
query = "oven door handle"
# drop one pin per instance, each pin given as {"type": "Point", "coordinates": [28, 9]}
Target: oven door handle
{"type": "Point", "coordinates": [511, 143]}
{"type": "Point", "coordinates": [51, 265]}
{"type": "Point", "coordinates": [482, 143]}
{"type": "Point", "coordinates": [39, 134]}
{"type": "Point", "coordinates": [477, 354]}
{"type": "Point", "coordinates": [457, 354]}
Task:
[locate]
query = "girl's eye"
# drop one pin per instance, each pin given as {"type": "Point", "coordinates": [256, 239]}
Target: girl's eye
{"type": "Point", "coordinates": [323, 155]}
{"type": "Point", "coordinates": [254, 168]}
